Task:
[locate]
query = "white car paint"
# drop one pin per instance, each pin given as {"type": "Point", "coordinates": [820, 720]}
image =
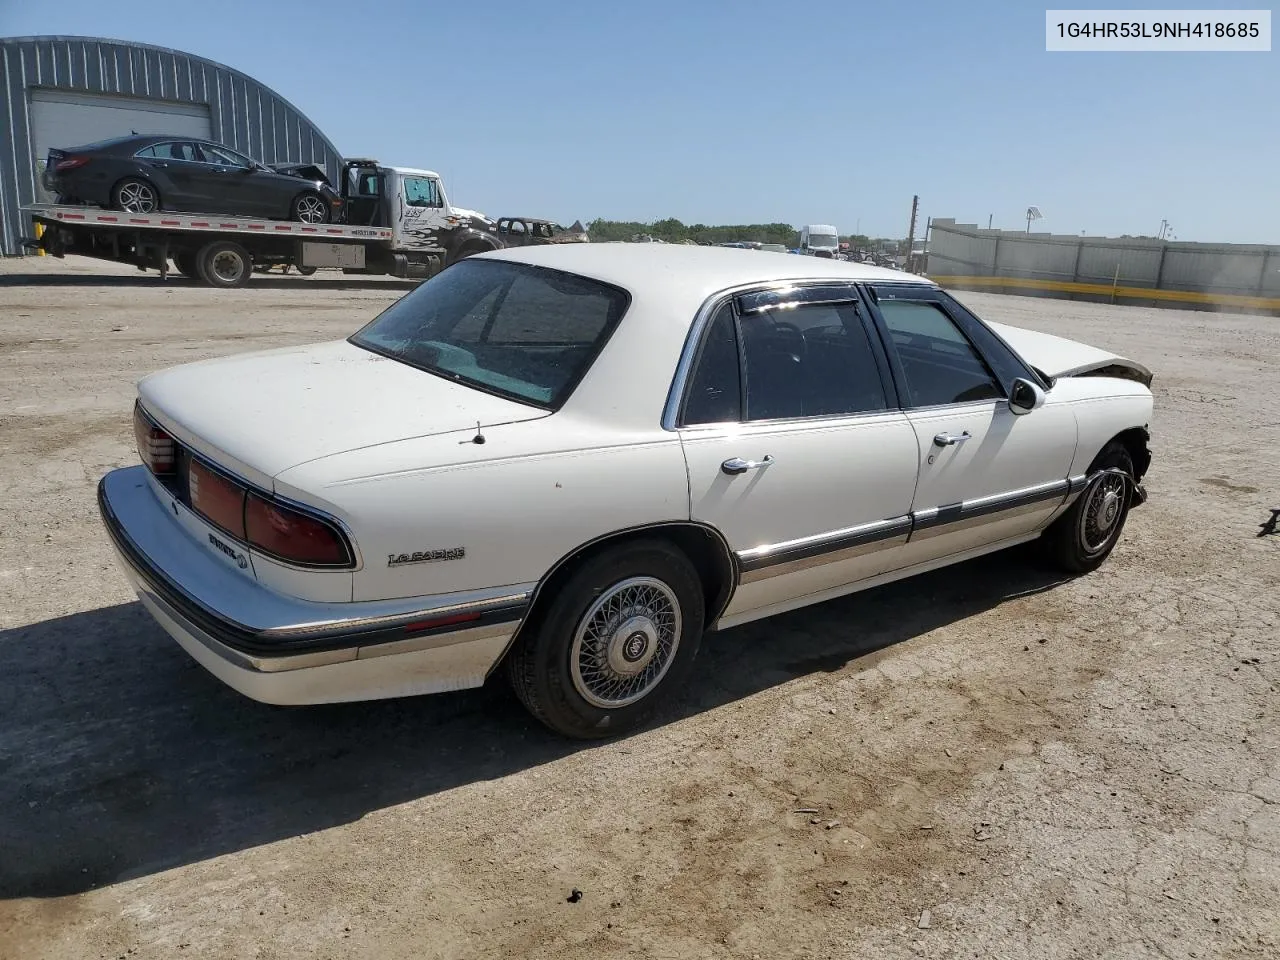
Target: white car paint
{"type": "Point", "coordinates": [389, 452]}
{"type": "Point", "coordinates": [1060, 357]}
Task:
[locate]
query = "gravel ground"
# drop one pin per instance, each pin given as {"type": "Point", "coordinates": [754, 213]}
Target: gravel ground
{"type": "Point", "coordinates": [1000, 763]}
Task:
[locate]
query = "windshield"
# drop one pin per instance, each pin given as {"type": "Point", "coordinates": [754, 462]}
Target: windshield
{"type": "Point", "coordinates": [823, 240]}
{"type": "Point", "coordinates": [523, 332]}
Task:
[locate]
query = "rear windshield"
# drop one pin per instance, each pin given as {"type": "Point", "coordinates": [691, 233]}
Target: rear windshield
{"type": "Point", "coordinates": [522, 332]}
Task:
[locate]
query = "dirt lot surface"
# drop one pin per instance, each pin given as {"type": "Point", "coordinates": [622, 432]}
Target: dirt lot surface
{"type": "Point", "coordinates": [988, 761]}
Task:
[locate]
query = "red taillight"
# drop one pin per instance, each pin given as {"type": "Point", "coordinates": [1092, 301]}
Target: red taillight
{"type": "Point", "coordinates": [155, 447]}
{"type": "Point", "coordinates": [217, 499]}
{"type": "Point", "coordinates": [70, 163]}
{"type": "Point", "coordinates": [292, 536]}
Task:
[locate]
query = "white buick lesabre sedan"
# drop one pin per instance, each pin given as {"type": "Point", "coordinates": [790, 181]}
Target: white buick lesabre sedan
{"type": "Point", "coordinates": [573, 460]}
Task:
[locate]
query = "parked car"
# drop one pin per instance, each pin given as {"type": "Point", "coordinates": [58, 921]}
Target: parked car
{"type": "Point", "coordinates": [526, 231]}
{"type": "Point", "coordinates": [773, 247]}
{"type": "Point", "coordinates": [572, 460]}
{"type": "Point", "coordinates": [141, 174]}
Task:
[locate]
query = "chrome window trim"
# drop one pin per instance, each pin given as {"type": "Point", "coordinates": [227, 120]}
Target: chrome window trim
{"type": "Point", "coordinates": [818, 421]}
{"type": "Point", "coordinates": [680, 380]}
{"type": "Point", "coordinates": [993, 402]}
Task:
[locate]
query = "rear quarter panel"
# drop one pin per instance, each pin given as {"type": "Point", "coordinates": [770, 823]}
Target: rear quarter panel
{"type": "Point", "coordinates": [516, 505]}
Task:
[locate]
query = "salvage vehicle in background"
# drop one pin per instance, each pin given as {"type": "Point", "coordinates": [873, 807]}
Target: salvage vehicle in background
{"type": "Point", "coordinates": [572, 460]}
{"type": "Point", "coordinates": [526, 231]}
{"type": "Point", "coordinates": [148, 174]}
{"type": "Point", "coordinates": [819, 240]}
{"type": "Point", "coordinates": [398, 221]}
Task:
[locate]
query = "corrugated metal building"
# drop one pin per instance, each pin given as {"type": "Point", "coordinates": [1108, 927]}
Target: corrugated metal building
{"type": "Point", "coordinates": [66, 91]}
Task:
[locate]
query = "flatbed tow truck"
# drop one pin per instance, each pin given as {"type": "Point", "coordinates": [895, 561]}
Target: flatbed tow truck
{"type": "Point", "coordinates": [397, 221]}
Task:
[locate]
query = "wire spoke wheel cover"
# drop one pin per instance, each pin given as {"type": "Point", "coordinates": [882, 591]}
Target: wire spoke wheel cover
{"type": "Point", "coordinates": [1104, 506]}
{"type": "Point", "coordinates": [625, 642]}
{"type": "Point", "coordinates": [311, 210]}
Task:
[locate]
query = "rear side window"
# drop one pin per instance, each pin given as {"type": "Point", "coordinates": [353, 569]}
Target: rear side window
{"type": "Point", "coordinates": [715, 389]}
{"type": "Point", "coordinates": [939, 363]}
{"type": "Point", "coordinates": [519, 331]}
{"type": "Point", "coordinates": [813, 361]}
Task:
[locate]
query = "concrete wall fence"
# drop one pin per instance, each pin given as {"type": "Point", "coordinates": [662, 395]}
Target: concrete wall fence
{"type": "Point", "coordinates": [1203, 276]}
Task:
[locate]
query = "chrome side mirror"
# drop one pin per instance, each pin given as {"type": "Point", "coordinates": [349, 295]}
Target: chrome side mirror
{"type": "Point", "coordinates": [1025, 397]}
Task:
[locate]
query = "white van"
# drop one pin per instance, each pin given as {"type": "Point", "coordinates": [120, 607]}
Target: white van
{"type": "Point", "coordinates": [819, 240]}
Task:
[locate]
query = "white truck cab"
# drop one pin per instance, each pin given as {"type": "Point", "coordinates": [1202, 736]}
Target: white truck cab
{"type": "Point", "coordinates": [819, 240]}
{"type": "Point", "coordinates": [413, 203]}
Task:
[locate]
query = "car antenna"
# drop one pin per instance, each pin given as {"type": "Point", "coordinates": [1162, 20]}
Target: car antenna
{"type": "Point", "coordinates": [478, 438]}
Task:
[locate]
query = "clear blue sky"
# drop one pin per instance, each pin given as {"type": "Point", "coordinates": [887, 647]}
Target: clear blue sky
{"type": "Point", "coordinates": [720, 112]}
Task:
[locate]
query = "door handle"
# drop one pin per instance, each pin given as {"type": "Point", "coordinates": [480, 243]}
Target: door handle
{"type": "Point", "coordinates": [736, 465]}
{"type": "Point", "coordinates": [158, 163]}
{"type": "Point", "coordinates": [951, 439]}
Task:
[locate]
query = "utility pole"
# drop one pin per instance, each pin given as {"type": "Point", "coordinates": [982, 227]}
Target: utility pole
{"type": "Point", "coordinates": [990, 217]}
{"type": "Point", "coordinates": [911, 230]}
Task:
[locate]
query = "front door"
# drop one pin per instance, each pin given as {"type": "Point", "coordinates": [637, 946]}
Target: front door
{"type": "Point", "coordinates": [238, 188]}
{"type": "Point", "coordinates": [986, 475]}
{"type": "Point", "coordinates": [420, 217]}
{"type": "Point", "coordinates": [796, 450]}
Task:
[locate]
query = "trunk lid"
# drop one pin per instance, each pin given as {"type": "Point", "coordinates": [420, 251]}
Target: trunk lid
{"type": "Point", "coordinates": [261, 413]}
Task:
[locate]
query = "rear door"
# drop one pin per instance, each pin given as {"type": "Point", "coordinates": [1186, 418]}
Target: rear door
{"type": "Point", "coordinates": [796, 450]}
{"type": "Point", "coordinates": [177, 171]}
{"type": "Point", "coordinates": [985, 474]}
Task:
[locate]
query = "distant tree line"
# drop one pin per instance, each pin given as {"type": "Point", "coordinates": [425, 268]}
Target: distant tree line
{"type": "Point", "coordinates": [673, 231]}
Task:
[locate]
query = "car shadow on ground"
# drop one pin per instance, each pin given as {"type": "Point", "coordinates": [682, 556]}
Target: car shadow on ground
{"type": "Point", "coordinates": [264, 281]}
{"type": "Point", "coordinates": [120, 757]}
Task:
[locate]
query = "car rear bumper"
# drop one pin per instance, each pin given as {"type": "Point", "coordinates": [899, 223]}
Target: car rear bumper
{"type": "Point", "coordinates": [283, 650]}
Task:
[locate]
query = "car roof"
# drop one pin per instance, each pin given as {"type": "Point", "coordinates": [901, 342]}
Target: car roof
{"type": "Point", "coordinates": [145, 139]}
{"type": "Point", "coordinates": [695, 271]}
{"type": "Point", "coordinates": [138, 138]}
{"type": "Point", "coordinates": [668, 282]}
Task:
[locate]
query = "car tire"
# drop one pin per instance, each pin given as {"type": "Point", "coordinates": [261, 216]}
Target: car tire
{"type": "Point", "coordinates": [135, 195]}
{"type": "Point", "coordinates": [306, 271]}
{"type": "Point", "coordinates": [615, 639]}
{"type": "Point", "coordinates": [186, 265]}
{"type": "Point", "coordinates": [224, 264]}
{"type": "Point", "coordinates": [1083, 537]}
{"type": "Point", "coordinates": [309, 208]}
